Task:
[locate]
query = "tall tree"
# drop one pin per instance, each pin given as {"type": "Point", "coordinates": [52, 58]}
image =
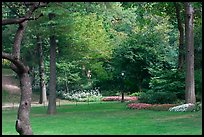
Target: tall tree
{"type": "Point", "coordinates": [43, 95]}
{"type": "Point", "coordinates": [52, 82]}
{"type": "Point", "coordinates": [181, 37]}
{"type": "Point", "coordinates": [189, 37]}
{"type": "Point", "coordinates": [23, 126]}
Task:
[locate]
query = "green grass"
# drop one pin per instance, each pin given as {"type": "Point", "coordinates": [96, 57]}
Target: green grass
{"type": "Point", "coordinates": [106, 119]}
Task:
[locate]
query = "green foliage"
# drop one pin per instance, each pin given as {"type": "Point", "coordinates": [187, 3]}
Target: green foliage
{"type": "Point", "coordinates": [198, 84]}
{"type": "Point", "coordinates": [137, 94]}
{"type": "Point", "coordinates": [81, 95]}
{"type": "Point", "coordinates": [167, 80]}
{"type": "Point", "coordinates": [157, 97]}
{"type": "Point", "coordinates": [6, 63]}
{"type": "Point", "coordinates": [107, 38]}
{"type": "Point", "coordinates": [67, 73]}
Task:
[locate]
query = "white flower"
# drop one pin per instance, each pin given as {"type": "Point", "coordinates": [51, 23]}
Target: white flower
{"type": "Point", "coordinates": [183, 107]}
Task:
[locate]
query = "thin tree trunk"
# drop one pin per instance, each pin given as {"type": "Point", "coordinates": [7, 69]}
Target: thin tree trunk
{"type": "Point", "coordinates": [52, 84]}
{"type": "Point", "coordinates": [140, 87]}
{"type": "Point", "coordinates": [181, 37]}
{"type": "Point", "coordinates": [190, 82]}
{"type": "Point", "coordinates": [66, 83]}
{"type": "Point", "coordinates": [43, 95]}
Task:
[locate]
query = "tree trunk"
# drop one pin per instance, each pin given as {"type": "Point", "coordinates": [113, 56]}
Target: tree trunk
{"type": "Point", "coordinates": [43, 95]}
{"type": "Point", "coordinates": [66, 83]}
{"type": "Point", "coordinates": [122, 99]}
{"type": "Point", "coordinates": [23, 126]}
{"type": "Point", "coordinates": [140, 86]}
{"type": "Point", "coordinates": [181, 37]}
{"type": "Point", "coordinates": [52, 84]}
{"type": "Point", "coordinates": [190, 82]}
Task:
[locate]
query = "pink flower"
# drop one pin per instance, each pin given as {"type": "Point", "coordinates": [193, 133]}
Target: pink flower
{"type": "Point", "coordinates": [118, 98]}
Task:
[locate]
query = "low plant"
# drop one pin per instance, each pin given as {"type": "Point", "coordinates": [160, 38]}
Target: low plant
{"type": "Point", "coordinates": [137, 94]}
{"type": "Point", "coordinates": [152, 97]}
{"type": "Point", "coordinates": [183, 107]}
{"type": "Point", "coordinates": [161, 107]}
{"type": "Point", "coordinates": [119, 98]}
{"type": "Point", "coordinates": [158, 107]}
{"type": "Point", "coordinates": [139, 105]}
{"type": "Point", "coordinates": [92, 95]}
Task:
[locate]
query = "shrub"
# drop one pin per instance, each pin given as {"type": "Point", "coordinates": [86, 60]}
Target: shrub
{"type": "Point", "coordinates": [158, 107]}
{"type": "Point", "coordinates": [198, 106]}
{"type": "Point", "coordinates": [161, 107]}
{"type": "Point", "coordinates": [118, 98]}
{"type": "Point", "coordinates": [183, 107]}
{"type": "Point", "coordinates": [139, 105]}
{"type": "Point", "coordinates": [136, 94]}
{"type": "Point", "coordinates": [169, 80]}
{"type": "Point", "coordinates": [152, 97]}
{"type": "Point", "coordinates": [81, 95]}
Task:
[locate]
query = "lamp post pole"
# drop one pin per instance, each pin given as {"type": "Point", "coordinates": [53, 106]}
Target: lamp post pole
{"type": "Point", "coordinates": [122, 92]}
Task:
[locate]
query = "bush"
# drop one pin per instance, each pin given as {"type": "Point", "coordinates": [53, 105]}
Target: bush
{"type": "Point", "coordinates": [158, 107]}
{"type": "Point", "coordinates": [118, 98]}
{"type": "Point", "coordinates": [161, 107]}
{"type": "Point", "coordinates": [136, 94]}
{"type": "Point", "coordinates": [139, 105]}
{"type": "Point", "coordinates": [81, 95]}
{"type": "Point", "coordinates": [169, 80]}
{"type": "Point", "coordinates": [183, 107]}
{"type": "Point", "coordinates": [152, 97]}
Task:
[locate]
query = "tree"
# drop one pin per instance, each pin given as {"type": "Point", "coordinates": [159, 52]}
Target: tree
{"type": "Point", "coordinates": [23, 126]}
{"type": "Point", "coordinates": [52, 82]}
{"type": "Point", "coordinates": [189, 37]}
{"type": "Point", "coordinates": [43, 95]}
{"type": "Point", "coordinates": [181, 37]}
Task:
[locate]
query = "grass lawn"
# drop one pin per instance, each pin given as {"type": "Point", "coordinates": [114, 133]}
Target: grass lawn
{"type": "Point", "coordinates": [112, 118]}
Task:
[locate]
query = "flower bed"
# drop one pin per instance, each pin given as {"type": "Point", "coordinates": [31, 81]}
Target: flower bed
{"type": "Point", "coordinates": [139, 105]}
{"type": "Point", "coordinates": [150, 106]}
{"type": "Point", "coordinates": [118, 98]}
{"type": "Point", "coordinates": [183, 107]}
{"type": "Point", "coordinates": [162, 106]}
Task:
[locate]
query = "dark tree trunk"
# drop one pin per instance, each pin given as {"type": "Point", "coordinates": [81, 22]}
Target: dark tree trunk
{"type": "Point", "coordinates": [181, 37]}
{"type": "Point", "coordinates": [140, 86]}
{"type": "Point", "coordinates": [43, 95]}
{"type": "Point", "coordinates": [122, 99]}
{"type": "Point", "coordinates": [190, 82]}
{"type": "Point", "coordinates": [52, 83]}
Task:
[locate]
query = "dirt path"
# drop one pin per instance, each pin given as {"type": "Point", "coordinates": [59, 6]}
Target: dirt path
{"type": "Point", "coordinates": [10, 84]}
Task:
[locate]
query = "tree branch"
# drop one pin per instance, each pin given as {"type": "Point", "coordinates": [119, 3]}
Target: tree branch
{"type": "Point", "coordinates": [12, 9]}
{"type": "Point", "coordinates": [18, 20]}
{"type": "Point", "coordinates": [35, 5]}
{"type": "Point", "coordinates": [21, 67]}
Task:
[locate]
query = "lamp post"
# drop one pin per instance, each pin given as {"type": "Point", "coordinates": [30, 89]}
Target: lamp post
{"type": "Point", "coordinates": [122, 92]}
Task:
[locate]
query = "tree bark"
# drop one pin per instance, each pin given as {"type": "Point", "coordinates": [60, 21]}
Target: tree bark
{"type": "Point", "coordinates": [43, 95]}
{"type": "Point", "coordinates": [23, 126]}
{"type": "Point", "coordinates": [181, 37]}
{"type": "Point", "coordinates": [190, 82]}
{"type": "Point", "coordinates": [52, 83]}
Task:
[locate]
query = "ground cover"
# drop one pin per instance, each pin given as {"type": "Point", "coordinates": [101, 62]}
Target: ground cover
{"type": "Point", "coordinates": [106, 118]}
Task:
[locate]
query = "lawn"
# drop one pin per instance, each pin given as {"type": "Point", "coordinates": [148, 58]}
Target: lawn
{"type": "Point", "coordinates": [106, 118]}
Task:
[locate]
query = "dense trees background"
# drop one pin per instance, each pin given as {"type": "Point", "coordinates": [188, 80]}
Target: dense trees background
{"type": "Point", "coordinates": [143, 40]}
